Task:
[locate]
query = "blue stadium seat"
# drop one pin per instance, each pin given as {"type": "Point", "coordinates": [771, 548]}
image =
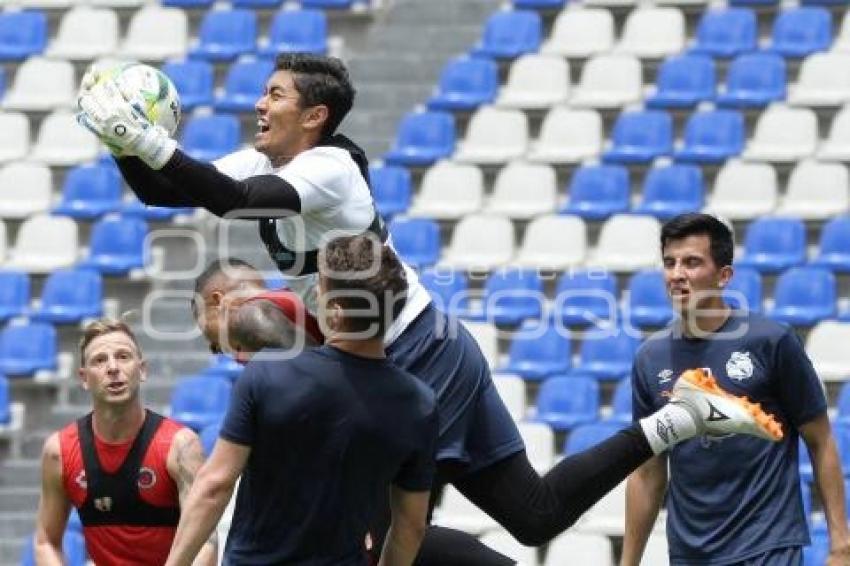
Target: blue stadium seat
{"type": "Point", "coordinates": [539, 349]}
{"type": "Point", "coordinates": [754, 3]}
{"type": "Point", "coordinates": [511, 296]}
{"type": "Point", "coordinates": [744, 289]}
{"type": "Point", "coordinates": [586, 298]}
{"type": "Point", "coordinates": [589, 435]}
{"type": "Point", "coordinates": [134, 208]}
{"type": "Point", "coordinates": [209, 137]}
{"type": "Point", "coordinates": [193, 80]}
{"type": "Point", "coordinates": [117, 245]}
{"type": "Point", "coordinates": [834, 246]}
{"type": "Point", "coordinates": [598, 191]}
{"type": "Point", "coordinates": [466, 83]}
{"type": "Point", "coordinates": [90, 191]}
{"type": "Point", "coordinates": [726, 32]}
{"type": "Point", "coordinates": [2, 83]}
{"type": "Point", "coordinates": [649, 305]}
{"type": "Point", "coordinates": [805, 463]}
{"type": "Point", "coordinates": [226, 34]}
{"type": "Point", "coordinates": [423, 138]}
{"type": "Point", "coordinates": [565, 402]}
{"type": "Point", "coordinates": [74, 522]}
{"type": "Point", "coordinates": [621, 402]}
{"type": "Point", "coordinates": [14, 294]}
{"type": "Point", "coordinates": [391, 189]}
{"type": "Point", "coordinates": [69, 296]}
{"type": "Point", "coordinates": [817, 553]}
{"type": "Point", "coordinates": [798, 32]}
{"type": "Point", "coordinates": [417, 240]}
{"type": "Point", "coordinates": [510, 33]}
{"type": "Point", "coordinates": [223, 365]}
{"type": "Point", "coordinates": [27, 348]}
{"type": "Point", "coordinates": [754, 80]}
{"type": "Point", "coordinates": [772, 245]}
{"type": "Point", "coordinates": [5, 401]}
{"type": "Point", "coordinates": [539, 4]}
{"type": "Point", "coordinates": [842, 440]}
{"type": "Point", "coordinates": [712, 136]}
{"type": "Point", "coordinates": [640, 136]}
{"type": "Point", "coordinates": [684, 81]}
{"type": "Point", "coordinates": [328, 4]}
{"type": "Point", "coordinates": [22, 34]}
{"type": "Point", "coordinates": [244, 85]}
{"type": "Point", "coordinates": [672, 190]}
{"type": "Point", "coordinates": [73, 547]}
{"type": "Point", "coordinates": [448, 289]}
{"type": "Point", "coordinates": [256, 3]}
{"type": "Point", "coordinates": [804, 296]}
{"type": "Point", "coordinates": [843, 405]}
{"type": "Point", "coordinates": [608, 356]}
{"type": "Point", "coordinates": [200, 400]}
{"type": "Point", "coordinates": [297, 31]}
{"type": "Point", "coordinates": [208, 436]}
{"type": "Point", "coordinates": [188, 4]}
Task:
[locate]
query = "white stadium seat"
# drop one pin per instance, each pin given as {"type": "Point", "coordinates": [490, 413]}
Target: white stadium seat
{"type": "Point", "coordinates": [612, 3]}
{"type": "Point", "coordinates": [494, 135]}
{"type": "Point", "coordinates": [783, 134]}
{"type": "Point", "coordinates": [536, 81]}
{"type": "Point", "coordinates": [41, 85]}
{"type": "Point", "coordinates": [608, 81]}
{"type": "Point", "coordinates": [46, 4]}
{"type": "Point", "coordinates": [85, 33]}
{"type": "Point", "coordinates": [25, 189]}
{"type": "Point", "coordinates": [580, 32]}
{"type": "Point", "coordinates": [119, 4]}
{"type": "Point", "coordinates": [511, 389]}
{"type": "Point", "coordinates": [523, 190]}
{"type": "Point", "coordinates": [553, 242]}
{"type": "Point", "coordinates": [568, 136]}
{"type": "Point", "coordinates": [656, 552]}
{"type": "Point", "coordinates": [837, 144]}
{"type": "Point", "coordinates": [156, 34]}
{"type": "Point", "coordinates": [608, 515]}
{"type": "Point", "coordinates": [487, 337]}
{"type": "Point", "coordinates": [449, 191]}
{"type": "Point", "coordinates": [503, 543]}
{"type": "Point", "coordinates": [580, 548]}
{"type": "Point", "coordinates": [539, 445]}
{"type": "Point", "coordinates": [653, 33]}
{"type": "Point", "coordinates": [628, 242]}
{"type": "Point", "coordinates": [824, 81]}
{"type": "Point", "coordinates": [826, 345]}
{"type": "Point", "coordinates": [816, 191]}
{"type": "Point", "coordinates": [62, 141]}
{"type": "Point", "coordinates": [457, 512]}
{"type": "Point", "coordinates": [480, 242]}
{"type": "Point", "coordinates": [14, 136]}
{"type": "Point", "coordinates": [744, 191]}
{"type": "Point", "coordinates": [44, 243]}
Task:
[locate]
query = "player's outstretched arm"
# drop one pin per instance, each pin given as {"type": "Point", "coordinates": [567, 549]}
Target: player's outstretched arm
{"type": "Point", "coordinates": [644, 494]}
{"type": "Point", "coordinates": [53, 508]}
{"type": "Point", "coordinates": [409, 521]}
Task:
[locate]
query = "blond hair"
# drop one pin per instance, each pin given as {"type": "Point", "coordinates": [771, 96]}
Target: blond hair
{"type": "Point", "coordinates": [101, 327]}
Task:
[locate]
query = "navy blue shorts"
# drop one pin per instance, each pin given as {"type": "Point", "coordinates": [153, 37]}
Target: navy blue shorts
{"type": "Point", "coordinates": [475, 427]}
{"type": "Point", "coordinates": [785, 556]}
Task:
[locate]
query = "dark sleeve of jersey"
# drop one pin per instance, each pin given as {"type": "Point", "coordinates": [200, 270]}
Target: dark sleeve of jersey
{"type": "Point", "coordinates": [642, 405]}
{"type": "Point", "coordinates": [239, 424]}
{"type": "Point", "coordinates": [192, 183]}
{"type": "Point", "coordinates": [151, 186]}
{"type": "Point", "coordinates": [800, 389]}
{"type": "Point", "coordinates": [417, 472]}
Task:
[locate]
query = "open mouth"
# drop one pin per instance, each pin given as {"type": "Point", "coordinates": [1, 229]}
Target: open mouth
{"type": "Point", "coordinates": [116, 387]}
{"type": "Point", "coordinates": [262, 127]}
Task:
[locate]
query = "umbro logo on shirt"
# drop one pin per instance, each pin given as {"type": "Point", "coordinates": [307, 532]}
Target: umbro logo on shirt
{"type": "Point", "coordinates": [714, 414]}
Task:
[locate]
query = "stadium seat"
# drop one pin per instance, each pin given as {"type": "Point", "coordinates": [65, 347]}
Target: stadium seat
{"type": "Point", "coordinates": [653, 32]}
{"type": "Point", "coordinates": [753, 80]}
{"type": "Point", "coordinates": [41, 85]}
{"type": "Point", "coordinates": [480, 242]}
{"type": "Point", "coordinates": [61, 141]}
{"type": "Point", "coordinates": [817, 553]}
{"type": "Point", "coordinates": [743, 191]}
{"type": "Point", "coordinates": [5, 402]}
{"type": "Point", "coordinates": [842, 41]}
{"type": "Point", "coordinates": [293, 31]}
{"type": "Point", "coordinates": [493, 136]}
{"type": "Point", "coordinates": [842, 406]}
{"type": "Point", "coordinates": [14, 294]}
{"type": "Point", "coordinates": [25, 189]}
{"type": "Point", "coordinates": [449, 191]}
{"type": "Point", "coordinates": [608, 517]}
{"type": "Point", "coordinates": [69, 296]}
{"type": "Point", "coordinates": [657, 550]}
{"type": "Point", "coordinates": [417, 240]}
{"type": "Point", "coordinates": [193, 80]}
{"type": "Point", "coordinates": [672, 190]}
{"type": "Point", "coordinates": [826, 346]}
{"type": "Point", "coordinates": [797, 32]}
{"type": "Point", "coordinates": [457, 512]}
{"type": "Point", "coordinates": [726, 32]}
{"type": "Point", "coordinates": [553, 243]}
{"type": "Point", "coordinates": [391, 189]}
{"type": "Point", "coordinates": [783, 134]}
{"type": "Point", "coordinates": [804, 296]}
{"type": "Point", "coordinates": [73, 549]}
{"type": "Point", "coordinates": [608, 81]}
{"type": "Point", "coordinates": [23, 34]}
{"type": "Point", "coordinates": [627, 243]}
{"type": "Point", "coordinates": [539, 442]}
{"type": "Point", "coordinates": [567, 136]}
{"type": "Point", "coordinates": [509, 34]}
{"type": "Point", "coordinates": [824, 80]}
{"type": "Point", "coordinates": [510, 296]}
{"type": "Point", "coordinates": [90, 191]}
{"type": "Point", "coordinates": [744, 290]}
{"type": "Point", "coordinates": [837, 144]}
{"type": "Point", "coordinates": [188, 4]}
{"type": "Point", "coordinates": [580, 33]}
{"type": "Point", "coordinates": [133, 208]}
{"type": "Point", "coordinates": [117, 245]}
{"type": "Point", "coordinates": [208, 436]}
{"type": "Point", "coordinates": [539, 349]}
{"type": "Point", "coordinates": [588, 435]}
{"type": "Point", "coordinates": [580, 548]}
{"type": "Point", "coordinates": [598, 191]}
{"type": "Point", "coordinates": [44, 243]}
{"type": "Point", "coordinates": [564, 402]}
{"type": "Point", "coordinates": [448, 289]}
{"type": "Point", "coordinates": [243, 85]}
{"type": "Point", "coordinates": [586, 298]}
{"type": "Point", "coordinates": [487, 338]}
{"type": "Point", "coordinates": [523, 190]}
{"type": "Point", "coordinates": [536, 82]}
{"type": "Point", "coordinates": [834, 245]}
{"type": "Point", "coordinates": [816, 191]}
{"type": "Point", "coordinates": [511, 389]}
{"type": "Point", "coordinates": [85, 33]}
{"type": "Point", "coordinates": [640, 136]}
{"type": "Point", "coordinates": [465, 84]}
{"type": "Point", "coordinates": [539, 4]}
{"type": "Point", "coordinates": [423, 138]}
{"type": "Point", "coordinates": [200, 400]}
{"type": "Point", "coordinates": [14, 135]}
{"type": "Point", "coordinates": [683, 81]}
{"type": "Point", "coordinates": [607, 356]}
{"type": "Point", "coordinates": [27, 348]}
{"type": "Point", "coordinates": [505, 544]}
{"type": "Point", "coordinates": [209, 137]}
{"type": "Point", "coordinates": [648, 303]}
{"type": "Point", "coordinates": [772, 245]}
{"type": "Point", "coordinates": [225, 34]}
{"type": "Point", "coordinates": [621, 402]}
{"type": "Point", "coordinates": [156, 33]}
{"type": "Point", "coordinates": [224, 365]}
{"type": "Point", "coordinates": [712, 136]}
{"type": "Point", "coordinates": [328, 4]}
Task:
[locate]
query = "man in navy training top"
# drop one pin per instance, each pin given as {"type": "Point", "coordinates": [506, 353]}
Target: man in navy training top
{"type": "Point", "coordinates": [320, 436]}
{"type": "Point", "coordinates": [734, 499]}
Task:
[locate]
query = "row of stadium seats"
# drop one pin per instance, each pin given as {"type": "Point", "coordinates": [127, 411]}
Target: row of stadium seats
{"type": "Point", "coordinates": [355, 5]}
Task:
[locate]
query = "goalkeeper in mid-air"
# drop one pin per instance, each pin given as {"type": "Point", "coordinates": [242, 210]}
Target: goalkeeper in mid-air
{"type": "Point", "coordinates": [304, 184]}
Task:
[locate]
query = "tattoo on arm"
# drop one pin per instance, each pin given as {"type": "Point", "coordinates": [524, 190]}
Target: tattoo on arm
{"type": "Point", "coordinates": [188, 459]}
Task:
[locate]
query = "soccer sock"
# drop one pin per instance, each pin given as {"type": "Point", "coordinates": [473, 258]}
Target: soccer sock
{"type": "Point", "coordinates": [668, 426]}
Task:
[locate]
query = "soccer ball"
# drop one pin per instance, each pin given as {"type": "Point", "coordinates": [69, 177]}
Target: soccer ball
{"type": "Point", "coordinates": [150, 91]}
